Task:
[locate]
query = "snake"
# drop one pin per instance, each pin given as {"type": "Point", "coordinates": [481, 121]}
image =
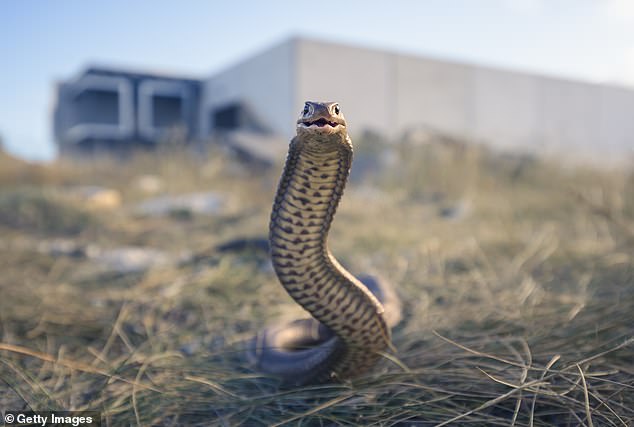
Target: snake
{"type": "Point", "coordinates": [352, 317]}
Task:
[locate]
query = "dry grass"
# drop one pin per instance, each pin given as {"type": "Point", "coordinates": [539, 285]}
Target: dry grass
{"type": "Point", "coordinates": [517, 278]}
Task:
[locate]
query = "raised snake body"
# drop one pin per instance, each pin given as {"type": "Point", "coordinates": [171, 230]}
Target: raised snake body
{"type": "Point", "coordinates": [350, 330]}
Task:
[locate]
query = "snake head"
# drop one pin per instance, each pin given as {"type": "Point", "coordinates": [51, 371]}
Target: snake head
{"type": "Point", "coordinates": [321, 118]}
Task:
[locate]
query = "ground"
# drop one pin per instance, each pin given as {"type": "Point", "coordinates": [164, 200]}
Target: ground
{"type": "Point", "coordinates": [516, 273]}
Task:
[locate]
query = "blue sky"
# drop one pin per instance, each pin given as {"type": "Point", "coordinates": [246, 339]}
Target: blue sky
{"type": "Point", "coordinates": [44, 41]}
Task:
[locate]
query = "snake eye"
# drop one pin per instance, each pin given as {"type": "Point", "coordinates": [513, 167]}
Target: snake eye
{"type": "Point", "coordinates": [306, 109]}
{"type": "Point", "coordinates": [336, 109]}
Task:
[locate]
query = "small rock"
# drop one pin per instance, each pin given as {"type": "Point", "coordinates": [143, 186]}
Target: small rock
{"type": "Point", "coordinates": [190, 348]}
{"type": "Point", "coordinates": [131, 259]}
{"type": "Point", "coordinates": [97, 197]}
{"type": "Point", "coordinates": [148, 184]}
{"type": "Point", "coordinates": [62, 247]}
{"type": "Point", "coordinates": [457, 211]}
{"type": "Point", "coordinates": [197, 203]}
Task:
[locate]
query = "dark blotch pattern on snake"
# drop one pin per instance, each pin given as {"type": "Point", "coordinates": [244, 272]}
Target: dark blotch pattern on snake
{"type": "Point", "coordinates": [352, 317]}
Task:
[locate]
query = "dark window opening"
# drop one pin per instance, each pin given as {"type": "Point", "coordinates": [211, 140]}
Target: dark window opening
{"type": "Point", "coordinates": [97, 106]}
{"type": "Point", "coordinates": [236, 116]}
{"type": "Point", "coordinates": [167, 111]}
{"type": "Point", "coordinates": [228, 118]}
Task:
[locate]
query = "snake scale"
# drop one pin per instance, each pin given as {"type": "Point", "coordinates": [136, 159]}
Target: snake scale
{"type": "Point", "coordinates": [352, 317]}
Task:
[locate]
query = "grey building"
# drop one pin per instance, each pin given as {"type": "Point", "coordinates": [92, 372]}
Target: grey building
{"type": "Point", "coordinates": [384, 92]}
{"type": "Point", "coordinates": [116, 108]}
{"type": "Point", "coordinates": [392, 94]}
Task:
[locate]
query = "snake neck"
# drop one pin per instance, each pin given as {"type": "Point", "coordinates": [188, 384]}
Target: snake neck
{"type": "Point", "coordinates": [308, 194]}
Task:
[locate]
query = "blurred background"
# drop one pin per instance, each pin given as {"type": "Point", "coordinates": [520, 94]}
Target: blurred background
{"type": "Point", "coordinates": [524, 74]}
{"type": "Point", "coordinates": [492, 183]}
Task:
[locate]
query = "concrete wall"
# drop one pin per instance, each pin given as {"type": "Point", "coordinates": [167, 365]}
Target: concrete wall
{"type": "Point", "coordinates": [505, 108]}
{"type": "Point", "coordinates": [361, 80]}
{"type": "Point", "coordinates": [392, 93]}
{"type": "Point", "coordinates": [264, 84]}
{"type": "Point", "coordinates": [433, 94]}
{"type": "Point", "coordinates": [616, 121]}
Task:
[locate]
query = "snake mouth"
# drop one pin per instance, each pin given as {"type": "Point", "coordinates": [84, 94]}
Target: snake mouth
{"type": "Point", "coordinates": [320, 123]}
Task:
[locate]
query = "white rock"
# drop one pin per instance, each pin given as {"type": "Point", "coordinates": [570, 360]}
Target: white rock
{"type": "Point", "coordinates": [149, 184]}
{"type": "Point", "coordinates": [198, 203]}
{"type": "Point", "coordinates": [131, 259]}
